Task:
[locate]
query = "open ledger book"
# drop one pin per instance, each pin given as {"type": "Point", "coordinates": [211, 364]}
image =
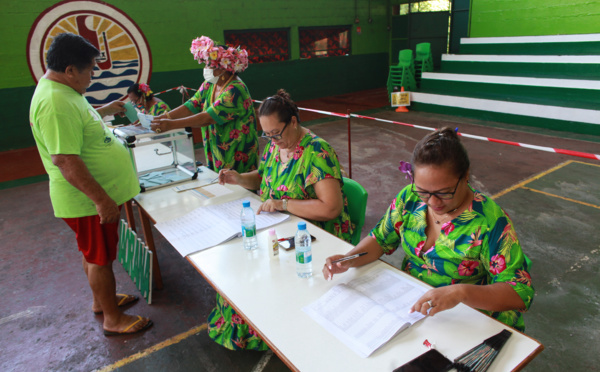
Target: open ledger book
{"type": "Point", "coordinates": [368, 311]}
{"type": "Point", "coordinates": [211, 225]}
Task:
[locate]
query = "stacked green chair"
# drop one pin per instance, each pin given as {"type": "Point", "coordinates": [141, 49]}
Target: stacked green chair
{"type": "Point", "coordinates": [402, 75]}
{"type": "Point", "coordinates": [357, 206]}
{"type": "Point", "coordinates": [423, 61]}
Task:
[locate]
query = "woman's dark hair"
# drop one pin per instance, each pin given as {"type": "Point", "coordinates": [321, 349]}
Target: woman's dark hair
{"type": "Point", "coordinates": [280, 104]}
{"type": "Point", "coordinates": [442, 147]}
{"type": "Point", "coordinates": [135, 88]}
{"type": "Point", "coordinates": [68, 49]}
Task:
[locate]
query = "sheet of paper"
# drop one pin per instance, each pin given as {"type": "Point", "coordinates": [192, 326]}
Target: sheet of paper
{"type": "Point", "coordinates": [215, 190]}
{"type": "Point", "coordinates": [231, 212]}
{"type": "Point", "coordinates": [365, 313]}
{"type": "Point", "coordinates": [205, 227]}
{"type": "Point", "coordinates": [197, 230]}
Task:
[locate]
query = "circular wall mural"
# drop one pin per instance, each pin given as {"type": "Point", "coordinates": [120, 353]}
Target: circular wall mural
{"type": "Point", "coordinates": [125, 57]}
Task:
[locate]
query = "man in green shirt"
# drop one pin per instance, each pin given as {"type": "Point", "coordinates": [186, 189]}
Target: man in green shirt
{"type": "Point", "coordinates": [91, 173]}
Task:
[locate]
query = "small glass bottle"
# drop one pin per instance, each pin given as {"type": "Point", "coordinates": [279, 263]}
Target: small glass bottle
{"type": "Point", "coordinates": [273, 244]}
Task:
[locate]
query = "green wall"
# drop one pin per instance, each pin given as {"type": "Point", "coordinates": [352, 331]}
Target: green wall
{"type": "Point", "coordinates": [169, 28]}
{"type": "Point", "coordinates": [490, 18]}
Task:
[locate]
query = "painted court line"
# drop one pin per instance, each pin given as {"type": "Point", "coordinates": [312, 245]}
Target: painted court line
{"type": "Point", "coordinates": [144, 353]}
{"type": "Point", "coordinates": [23, 314]}
{"type": "Point", "coordinates": [521, 185]}
{"type": "Point", "coordinates": [561, 197]}
{"type": "Point", "coordinates": [262, 363]}
{"type": "Point", "coordinates": [537, 176]}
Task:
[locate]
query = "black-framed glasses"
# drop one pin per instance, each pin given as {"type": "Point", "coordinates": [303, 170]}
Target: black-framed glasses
{"type": "Point", "coordinates": [440, 195]}
{"type": "Point", "coordinates": [276, 137]}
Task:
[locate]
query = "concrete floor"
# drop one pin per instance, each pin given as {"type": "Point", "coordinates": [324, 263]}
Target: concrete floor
{"type": "Point", "coordinates": [554, 200]}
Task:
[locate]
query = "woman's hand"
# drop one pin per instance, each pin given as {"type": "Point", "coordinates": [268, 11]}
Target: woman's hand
{"type": "Point", "coordinates": [229, 176]}
{"type": "Point", "coordinates": [161, 125]}
{"type": "Point", "coordinates": [438, 299]}
{"type": "Point", "coordinates": [335, 268]}
{"type": "Point", "coordinates": [271, 205]}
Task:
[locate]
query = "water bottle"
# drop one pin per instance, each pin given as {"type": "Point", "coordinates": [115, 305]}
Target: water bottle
{"type": "Point", "coordinates": [248, 227]}
{"type": "Point", "coordinates": [303, 252]}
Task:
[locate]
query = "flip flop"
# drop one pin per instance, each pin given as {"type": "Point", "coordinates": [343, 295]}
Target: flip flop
{"type": "Point", "coordinates": [124, 332]}
{"type": "Point", "coordinates": [124, 301]}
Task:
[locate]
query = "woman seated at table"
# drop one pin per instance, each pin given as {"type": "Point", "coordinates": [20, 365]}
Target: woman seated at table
{"type": "Point", "coordinates": [143, 98]}
{"type": "Point", "coordinates": [454, 238]}
{"type": "Point", "coordinates": [298, 173]}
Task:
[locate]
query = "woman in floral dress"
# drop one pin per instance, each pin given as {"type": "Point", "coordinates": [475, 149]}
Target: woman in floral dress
{"type": "Point", "coordinates": [299, 173]}
{"type": "Point", "coordinates": [222, 107]}
{"type": "Point", "coordinates": [454, 238]}
{"type": "Point", "coordinates": [143, 98]}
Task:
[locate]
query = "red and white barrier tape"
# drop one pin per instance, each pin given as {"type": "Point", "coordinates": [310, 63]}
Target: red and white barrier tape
{"type": "Point", "coordinates": [541, 148]}
{"type": "Point", "coordinates": [481, 138]}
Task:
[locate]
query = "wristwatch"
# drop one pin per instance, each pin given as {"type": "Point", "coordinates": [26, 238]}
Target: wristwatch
{"type": "Point", "coordinates": [284, 202]}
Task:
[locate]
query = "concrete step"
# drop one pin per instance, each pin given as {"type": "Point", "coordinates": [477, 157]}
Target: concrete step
{"type": "Point", "coordinates": [574, 93]}
{"type": "Point", "coordinates": [554, 66]}
{"type": "Point", "coordinates": [579, 44]}
{"type": "Point", "coordinates": [576, 120]}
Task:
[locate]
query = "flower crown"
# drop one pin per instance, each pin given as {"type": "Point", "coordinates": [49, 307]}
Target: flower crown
{"type": "Point", "coordinates": [218, 57]}
{"type": "Point", "coordinates": [145, 90]}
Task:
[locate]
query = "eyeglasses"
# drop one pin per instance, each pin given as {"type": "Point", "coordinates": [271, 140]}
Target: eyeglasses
{"type": "Point", "coordinates": [440, 195]}
{"type": "Point", "coordinates": [276, 137]}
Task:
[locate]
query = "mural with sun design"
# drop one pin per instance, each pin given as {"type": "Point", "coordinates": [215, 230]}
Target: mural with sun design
{"type": "Point", "coordinates": [125, 57]}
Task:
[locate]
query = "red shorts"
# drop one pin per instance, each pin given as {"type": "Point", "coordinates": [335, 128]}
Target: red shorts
{"type": "Point", "coordinates": [98, 242]}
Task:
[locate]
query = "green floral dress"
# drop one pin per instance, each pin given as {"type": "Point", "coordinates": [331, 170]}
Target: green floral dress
{"type": "Point", "coordinates": [156, 109]}
{"type": "Point", "coordinates": [159, 109]}
{"type": "Point", "coordinates": [313, 161]}
{"type": "Point", "coordinates": [232, 142]}
{"type": "Point", "coordinates": [479, 246]}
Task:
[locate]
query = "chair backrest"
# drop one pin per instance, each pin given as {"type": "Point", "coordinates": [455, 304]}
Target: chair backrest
{"type": "Point", "coordinates": [357, 206]}
{"type": "Point", "coordinates": [405, 58]}
{"type": "Point", "coordinates": [423, 50]}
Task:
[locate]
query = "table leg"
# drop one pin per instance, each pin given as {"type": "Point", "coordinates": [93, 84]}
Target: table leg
{"type": "Point", "coordinates": [129, 214]}
{"type": "Point", "coordinates": [147, 229]}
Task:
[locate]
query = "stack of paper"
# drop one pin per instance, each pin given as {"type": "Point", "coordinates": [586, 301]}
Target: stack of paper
{"type": "Point", "coordinates": [211, 225]}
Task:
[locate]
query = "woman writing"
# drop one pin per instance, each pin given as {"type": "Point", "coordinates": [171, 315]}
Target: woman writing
{"type": "Point", "coordinates": [455, 238]}
{"type": "Point", "coordinates": [143, 98]}
{"type": "Point", "coordinates": [299, 173]}
{"type": "Point", "coordinates": [222, 107]}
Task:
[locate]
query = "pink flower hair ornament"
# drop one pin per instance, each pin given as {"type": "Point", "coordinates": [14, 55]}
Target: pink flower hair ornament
{"type": "Point", "coordinates": [145, 90]}
{"type": "Point", "coordinates": [215, 56]}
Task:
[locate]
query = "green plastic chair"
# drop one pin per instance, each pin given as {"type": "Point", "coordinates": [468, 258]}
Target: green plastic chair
{"type": "Point", "coordinates": [357, 206]}
{"type": "Point", "coordinates": [423, 60]}
{"type": "Point", "coordinates": [403, 74]}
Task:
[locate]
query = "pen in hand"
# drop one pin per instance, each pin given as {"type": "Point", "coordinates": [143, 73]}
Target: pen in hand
{"type": "Point", "coordinates": [349, 257]}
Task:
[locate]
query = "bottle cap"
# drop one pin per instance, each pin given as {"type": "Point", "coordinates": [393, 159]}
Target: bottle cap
{"type": "Point", "coordinates": [246, 203]}
{"type": "Point", "coordinates": [301, 225]}
{"type": "Point", "coordinates": [272, 232]}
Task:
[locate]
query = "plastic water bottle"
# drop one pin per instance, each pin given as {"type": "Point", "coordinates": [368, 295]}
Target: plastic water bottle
{"type": "Point", "coordinates": [248, 227]}
{"type": "Point", "coordinates": [303, 252]}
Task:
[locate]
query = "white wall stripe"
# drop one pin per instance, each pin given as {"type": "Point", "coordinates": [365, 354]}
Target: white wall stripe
{"type": "Point", "coordinates": [520, 58]}
{"type": "Point", "coordinates": [515, 80]}
{"type": "Point", "coordinates": [531, 39]}
{"type": "Point", "coordinates": [523, 109]}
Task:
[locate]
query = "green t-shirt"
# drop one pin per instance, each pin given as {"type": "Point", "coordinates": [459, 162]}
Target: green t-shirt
{"type": "Point", "coordinates": [63, 122]}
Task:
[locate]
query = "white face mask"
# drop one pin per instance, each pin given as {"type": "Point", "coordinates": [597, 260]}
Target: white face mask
{"type": "Point", "coordinates": [210, 76]}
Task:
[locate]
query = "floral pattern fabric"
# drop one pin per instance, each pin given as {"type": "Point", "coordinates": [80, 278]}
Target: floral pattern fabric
{"type": "Point", "coordinates": [228, 329]}
{"type": "Point", "coordinates": [159, 109]}
{"type": "Point", "coordinates": [232, 142]}
{"type": "Point", "coordinates": [313, 160]}
{"type": "Point", "coordinates": [479, 246]}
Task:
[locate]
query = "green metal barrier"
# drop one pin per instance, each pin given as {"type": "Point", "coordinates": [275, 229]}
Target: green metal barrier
{"type": "Point", "coordinates": [136, 259]}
